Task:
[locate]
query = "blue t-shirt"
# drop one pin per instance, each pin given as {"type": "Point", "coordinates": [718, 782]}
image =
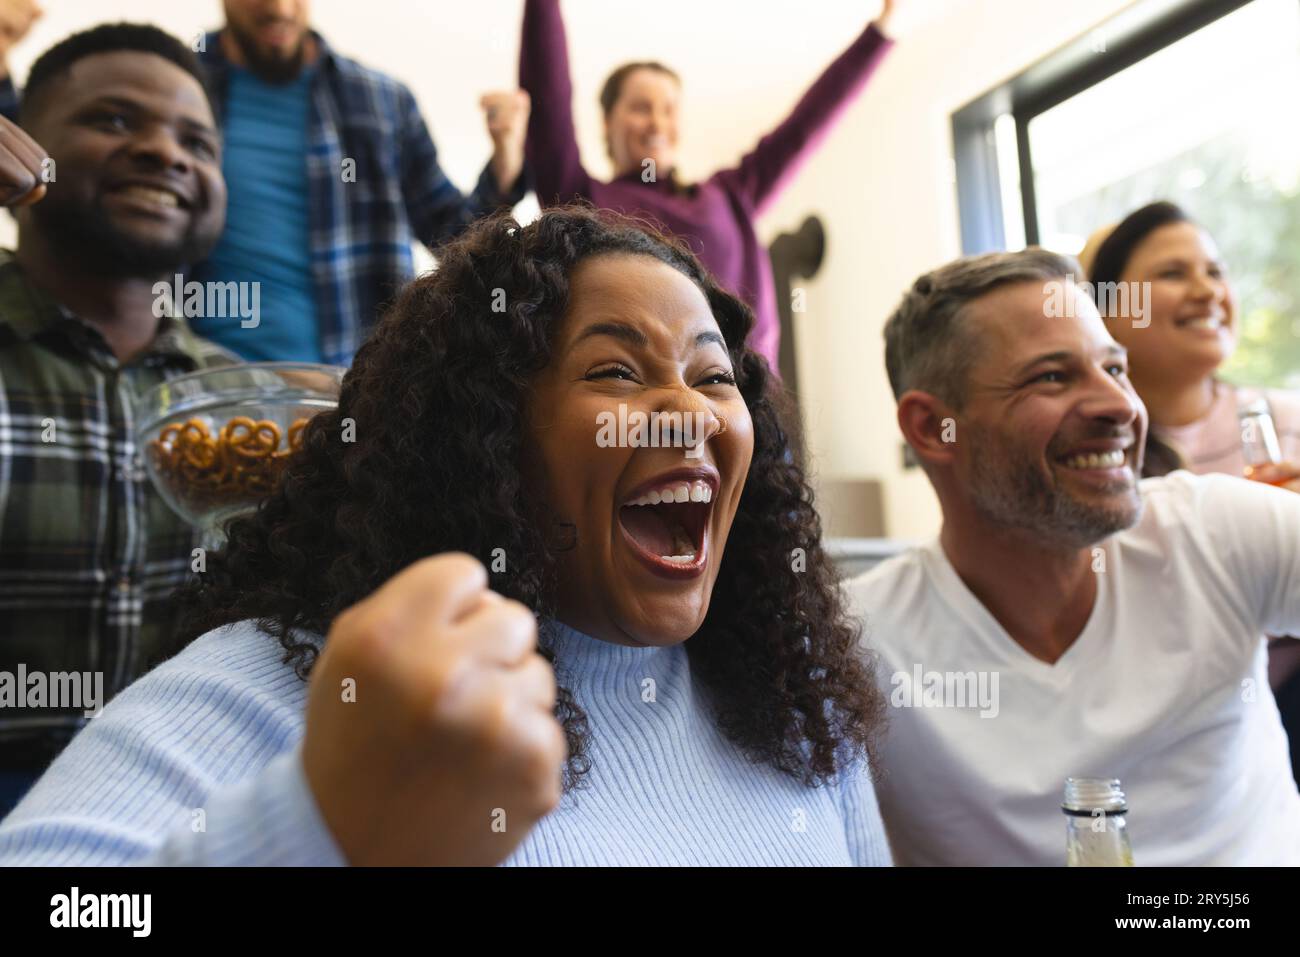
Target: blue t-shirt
{"type": "Point", "coordinates": [266, 235]}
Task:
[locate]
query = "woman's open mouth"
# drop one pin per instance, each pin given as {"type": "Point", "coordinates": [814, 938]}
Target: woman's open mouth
{"type": "Point", "coordinates": [666, 524]}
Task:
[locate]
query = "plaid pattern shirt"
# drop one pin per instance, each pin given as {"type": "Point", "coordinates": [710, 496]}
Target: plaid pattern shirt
{"type": "Point", "coordinates": [360, 232]}
{"type": "Point", "coordinates": [89, 552]}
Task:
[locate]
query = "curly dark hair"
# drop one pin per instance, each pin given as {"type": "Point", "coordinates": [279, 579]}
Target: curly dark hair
{"type": "Point", "coordinates": [437, 396]}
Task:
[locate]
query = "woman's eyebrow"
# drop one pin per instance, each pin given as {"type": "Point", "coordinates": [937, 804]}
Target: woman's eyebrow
{"type": "Point", "coordinates": [619, 330]}
{"type": "Point", "coordinates": [633, 335]}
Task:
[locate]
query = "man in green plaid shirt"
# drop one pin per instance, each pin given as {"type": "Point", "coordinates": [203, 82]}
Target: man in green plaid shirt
{"type": "Point", "coordinates": [130, 191]}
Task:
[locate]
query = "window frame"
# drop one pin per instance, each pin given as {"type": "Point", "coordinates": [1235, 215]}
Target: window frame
{"type": "Point", "coordinates": [1130, 36]}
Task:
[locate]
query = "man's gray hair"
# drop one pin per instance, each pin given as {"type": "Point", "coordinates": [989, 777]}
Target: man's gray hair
{"type": "Point", "coordinates": [929, 344]}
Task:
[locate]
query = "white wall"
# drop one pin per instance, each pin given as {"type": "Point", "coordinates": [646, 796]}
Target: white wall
{"type": "Point", "coordinates": [883, 184]}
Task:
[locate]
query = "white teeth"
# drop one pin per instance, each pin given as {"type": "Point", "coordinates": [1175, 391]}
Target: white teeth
{"type": "Point", "coordinates": [159, 197]}
{"type": "Point", "coordinates": [679, 559]}
{"type": "Point", "coordinates": [683, 492]}
{"type": "Point", "coordinates": [1097, 460]}
{"type": "Point", "coordinates": [1203, 322]}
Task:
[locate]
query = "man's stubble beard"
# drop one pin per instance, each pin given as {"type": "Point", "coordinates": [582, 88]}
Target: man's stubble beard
{"type": "Point", "coordinates": [99, 247]}
{"type": "Point", "coordinates": [268, 70]}
{"type": "Point", "coordinates": [1008, 489]}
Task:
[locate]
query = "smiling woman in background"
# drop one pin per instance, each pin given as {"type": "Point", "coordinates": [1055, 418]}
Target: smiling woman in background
{"type": "Point", "coordinates": [640, 105]}
{"type": "Point", "coordinates": [1174, 352]}
{"type": "Point", "coordinates": [1189, 331]}
{"type": "Point", "coordinates": [713, 705]}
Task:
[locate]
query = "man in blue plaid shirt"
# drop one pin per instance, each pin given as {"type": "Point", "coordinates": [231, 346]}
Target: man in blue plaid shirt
{"type": "Point", "coordinates": [332, 176]}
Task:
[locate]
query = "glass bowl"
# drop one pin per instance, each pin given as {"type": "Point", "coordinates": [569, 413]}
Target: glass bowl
{"type": "Point", "coordinates": [215, 442]}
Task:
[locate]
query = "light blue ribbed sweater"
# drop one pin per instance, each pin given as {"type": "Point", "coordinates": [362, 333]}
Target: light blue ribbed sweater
{"type": "Point", "coordinates": [218, 730]}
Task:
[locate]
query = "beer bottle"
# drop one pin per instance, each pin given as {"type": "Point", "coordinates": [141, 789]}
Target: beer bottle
{"type": "Point", "coordinates": [1096, 832]}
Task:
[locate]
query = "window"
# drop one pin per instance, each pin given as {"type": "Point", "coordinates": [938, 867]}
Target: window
{"type": "Point", "coordinates": [1197, 106]}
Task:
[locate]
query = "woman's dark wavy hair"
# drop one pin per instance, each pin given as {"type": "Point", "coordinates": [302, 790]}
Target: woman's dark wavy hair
{"type": "Point", "coordinates": [437, 395]}
{"type": "Point", "coordinates": [1108, 265]}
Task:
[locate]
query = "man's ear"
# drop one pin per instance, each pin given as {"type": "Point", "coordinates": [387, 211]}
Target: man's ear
{"type": "Point", "coordinates": [929, 426]}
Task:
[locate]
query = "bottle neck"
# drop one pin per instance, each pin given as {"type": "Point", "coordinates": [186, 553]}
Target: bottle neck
{"type": "Point", "coordinates": [1089, 797]}
{"type": "Point", "coordinates": [1096, 828]}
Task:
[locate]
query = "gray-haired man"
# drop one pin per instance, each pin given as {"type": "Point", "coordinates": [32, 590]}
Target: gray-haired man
{"type": "Point", "coordinates": [1070, 621]}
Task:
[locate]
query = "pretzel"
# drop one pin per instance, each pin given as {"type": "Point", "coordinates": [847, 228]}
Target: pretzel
{"type": "Point", "coordinates": [250, 440]}
{"type": "Point", "coordinates": [241, 463]}
{"type": "Point", "coordinates": [195, 446]}
{"type": "Point", "coordinates": [295, 436]}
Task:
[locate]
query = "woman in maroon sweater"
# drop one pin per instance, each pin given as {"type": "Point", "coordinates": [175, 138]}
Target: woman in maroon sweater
{"type": "Point", "coordinates": [715, 217]}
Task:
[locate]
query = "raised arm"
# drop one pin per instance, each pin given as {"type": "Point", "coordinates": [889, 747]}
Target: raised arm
{"type": "Point", "coordinates": [16, 19]}
{"type": "Point", "coordinates": [9, 99]}
{"type": "Point", "coordinates": [552, 147]}
{"type": "Point", "coordinates": [436, 208]}
{"type": "Point", "coordinates": [771, 164]}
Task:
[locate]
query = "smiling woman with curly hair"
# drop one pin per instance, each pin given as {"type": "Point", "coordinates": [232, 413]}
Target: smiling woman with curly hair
{"type": "Point", "coordinates": [713, 702]}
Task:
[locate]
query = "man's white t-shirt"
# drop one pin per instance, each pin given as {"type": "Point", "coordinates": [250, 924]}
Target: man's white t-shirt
{"type": "Point", "coordinates": [1165, 689]}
